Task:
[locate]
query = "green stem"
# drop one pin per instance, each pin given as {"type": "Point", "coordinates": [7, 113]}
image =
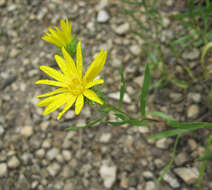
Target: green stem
{"type": "Point", "coordinates": [167, 168]}
{"type": "Point", "coordinates": [203, 165]}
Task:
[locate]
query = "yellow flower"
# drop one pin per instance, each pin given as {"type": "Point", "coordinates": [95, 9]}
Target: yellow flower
{"type": "Point", "coordinates": [60, 38]}
{"type": "Point", "coordinates": [73, 86]}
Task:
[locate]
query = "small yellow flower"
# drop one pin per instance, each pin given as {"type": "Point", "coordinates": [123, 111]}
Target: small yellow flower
{"type": "Point", "coordinates": [60, 38]}
{"type": "Point", "coordinates": [73, 86]}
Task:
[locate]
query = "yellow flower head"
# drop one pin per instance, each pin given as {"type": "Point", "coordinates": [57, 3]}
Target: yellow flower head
{"type": "Point", "coordinates": [60, 38]}
{"type": "Point", "coordinates": [73, 86]}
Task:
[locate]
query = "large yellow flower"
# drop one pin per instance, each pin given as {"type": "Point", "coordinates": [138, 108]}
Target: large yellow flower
{"type": "Point", "coordinates": [73, 86]}
{"type": "Point", "coordinates": [60, 38]}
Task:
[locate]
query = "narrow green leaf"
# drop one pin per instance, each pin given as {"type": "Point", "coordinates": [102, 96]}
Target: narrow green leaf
{"type": "Point", "coordinates": [122, 89]}
{"type": "Point", "coordinates": [207, 156]}
{"type": "Point", "coordinates": [179, 83]}
{"type": "Point", "coordinates": [204, 163]}
{"type": "Point", "coordinates": [139, 123]}
{"type": "Point", "coordinates": [161, 115]}
{"type": "Point", "coordinates": [139, 34]}
{"type": "Point", "coordinates": [85, 126]}
{"type": "Point", "coordinates": [167, 168]}
{"type": "Point", "coordinates": [184, 39]}
{"type": "Point", "coordinates": [169, 133]}
{"type": "Point", "coordinates": [116, 122]}
{"type": "Point", "coordinates": [188, 125]}
{"type": "Point", "coordinates": [121, 116]}
{"type": "Point", "coordinates": [145, 90]}
{"type": "Point", "coordinates": [204, 51]}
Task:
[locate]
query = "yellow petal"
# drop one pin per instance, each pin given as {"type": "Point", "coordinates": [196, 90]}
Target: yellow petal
{"type": "Point", "coordinates": [90, 94]}
{"type": "Point", "coordinates": [70, 102]}
{"type": "Point", "coordinates": [51, 83]}
{"type": "Point", "coordinates": [93, 83]}
{"type": "Point", "coordinates": [69, 62]}
{"type": "Point", "coordinates": [57, 91]}
{"type": "Point", "coordinates": [57, 102]}
{"type": "Point", "coordinates": [79, 59]}
{"type": "Point", "coordinates": [96, 66]}
{"type": "Point", "coordinates": [79, 104]}
{"type": "Point", "coordinates": [46, 101]}
{"type": "Point", "coordinates": [53, 73]}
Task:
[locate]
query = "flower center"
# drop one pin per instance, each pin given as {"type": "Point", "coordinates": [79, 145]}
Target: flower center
{"type": "Point", "coordinates": [76, 86]}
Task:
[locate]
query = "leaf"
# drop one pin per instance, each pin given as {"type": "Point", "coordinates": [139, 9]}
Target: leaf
{"type": "Point", "coordinates": [179, 83]}
{"type": "Point", "coordinates": [85, 126]}
{"type": "Point", "coordinates": [181, 128]}
{"type": "Point", "coordinates": [204, 51]}
{"type": "Point", "coordinates": [167, 168]}
{"type": "Point", "coordinates": [122, 89]}
{"type": "Point", "coordinates": [139, 34]}
{"type": "Point", "coordinates": [207, 156]}
{"type": "Point", "coordinates": [145, 90]}
{"type": "Point", "coordinates": [121, 116]}
{"type": "Point", "coordinates": [161, 115]}
{"type": "Point", "coordinates": [188, 125]}
{"type": "Point", "coordinates": [116, 122]}
{"type": "Point", "coordinates": [139, 123]}
{"type": "Point", "coordinates": [169, 133]}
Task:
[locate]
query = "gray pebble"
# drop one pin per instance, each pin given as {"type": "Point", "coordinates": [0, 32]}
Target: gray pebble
{"type": "Point", "coordinates": [3, 170]}
{"type": "Point", "coordinates": [102, 16]}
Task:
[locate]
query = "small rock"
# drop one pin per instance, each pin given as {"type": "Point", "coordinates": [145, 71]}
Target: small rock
{"type": "Point", "coordinates": [175, 96]}
{"type": "Point", "coordinates": [192, 144]}
{"type": "Point", "coordinates": [26, 158]}
{"type": "Point", "coordinates": [188, 175]}
{"type": "Point", "coordinates": [22, 183]}
{"type": "Point", "coordinates": [135, 50]}
{"type": "Point", "coordinates": [139, 80]}
{"type": "Point", "coordinates": [40, 153]}
{"type": "Point", "coordinates": [66, 155]}
{"type": "Point", "coordinates": [162, 143]}
{"type": "Point", "coordinates": [41, 13]}
{"type": "Point", "coordinates": [3, 170]}
{"type": "Point", "coordinates": [14, 53]}
{"type": "Point", "coordinates": [68, 186]}
{"type": "Point", "coordinates": [108, 174]}
{"type": "Point", "coordinates": [2, 48]}
{"type": "Point", "coordinates": [13, 162]}
{"type": "Point", "coordinates": [181, 158]}
{"type": "Point", "coordinates": [150, 185]}
{"type": "Point", "coordinates": [124, 181]}
{"type": "Point", "coordinates": [1, 130]}
{"type": "Point", "coordinates": [171, 180]}
{"type": "Point", "coordinates": [148, 175]}
{"type": "Point", "coordinates": [196, 97]}
{"type": "Point", "coordinates": [194, 54]}
{"type": "Point", "coordinates": [102, 16]}
{"type": "Point", "coordinates": [116, 95]}
{"type": "Point", "coordinates": [116, 63]}
{"type": "Point", "coordinates": [102, 4]}
{"type": "Point", "coordinates": [105, 138]}
{"type": "Point", "coordinates": [52, 153]}
{"type": "Point", "coordinates": [122, 29]}
{"type": "Point", "coordinates": [27, 131]}
{"type": "Point", "coordinates": [69, 115]}
{"type": "Point", "coordinates": [192, 111]}
{"type": "Point", "coordinates": [46, 143]}
{"type": "Point", "coordinates": [53, 169]}
{"type": "Point", "coordinates": [170, 2]}
{"type": "Point", "coordinates": [159, 163]}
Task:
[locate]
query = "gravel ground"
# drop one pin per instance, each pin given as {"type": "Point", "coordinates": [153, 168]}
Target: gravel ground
{"type": "Point", "coordinates": [37, 153]}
